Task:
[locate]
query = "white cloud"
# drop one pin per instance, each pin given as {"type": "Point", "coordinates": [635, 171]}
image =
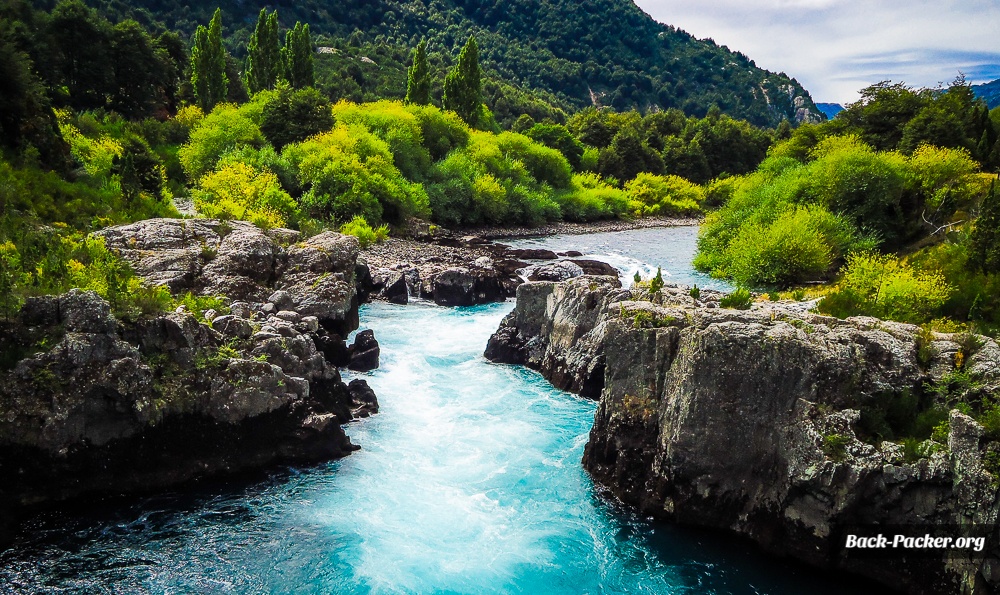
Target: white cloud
{"type": "Point", "coordinates": [837, 47]}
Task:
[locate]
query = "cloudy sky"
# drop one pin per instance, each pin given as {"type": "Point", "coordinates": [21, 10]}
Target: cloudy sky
{"type": "Point", "coordinates": [836, 47]}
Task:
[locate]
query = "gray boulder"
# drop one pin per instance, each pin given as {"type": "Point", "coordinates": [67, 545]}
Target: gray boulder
{"type": "Point", "coordinates": [556, 271]}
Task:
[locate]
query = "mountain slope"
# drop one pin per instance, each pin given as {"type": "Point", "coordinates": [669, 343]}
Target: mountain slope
{"type": "Point", "coordinates": [830, 109]}
{"type": "Point", "coordinates": [607, 52]}
{"type": "Point", "coordinates": [990, 92]}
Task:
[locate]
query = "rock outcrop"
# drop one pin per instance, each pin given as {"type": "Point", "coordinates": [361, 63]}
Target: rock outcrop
{"type": "Point", "coordinates": [777, 424]}
{"type": "Point", "coordinates": [91, 405]}
{"type": "Point", "coordinates": [464, 270]}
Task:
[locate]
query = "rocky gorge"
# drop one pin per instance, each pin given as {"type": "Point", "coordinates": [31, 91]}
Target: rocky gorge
{"type": "Point", "coordinates": [92, 405]}
{"type": "Point", "coordinates": [786, 427]}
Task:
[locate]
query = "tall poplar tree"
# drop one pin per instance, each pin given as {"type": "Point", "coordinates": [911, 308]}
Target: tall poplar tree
{"type": "Point", "coordinates": [263, 66]}
{"type": "Point", "coordinates": [297, 57]}
{"type": "Point", "coordinates": [418, 80]}
{"type": "Point", "coordinates": [463, 89]}
{"type": "Point", "coordinates": [208, 64]}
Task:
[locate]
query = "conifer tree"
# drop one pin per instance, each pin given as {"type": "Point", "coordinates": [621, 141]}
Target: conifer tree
{"type": "Point", "coordinates": [297, 57]}
{"type": "Point", "coordinates": [984, 250]}
{"type": "Point", "coordinates": [418, 81]}
{"type": "Point", "coordinates": [208, 64]}
{"type": "Point", "coordinates": [263, 65]}
{"type": "Point", "coordinates": [463, 91]}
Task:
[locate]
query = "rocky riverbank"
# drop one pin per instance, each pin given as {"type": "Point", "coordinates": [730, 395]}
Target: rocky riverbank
{"type": "Point", "coordinates": [92, 405]}
{"type": "Point", "coordinates": [776, 424]}
{"type": "Point", "coordinates": [463, 270]}
{"type": "Point", "coordinates": [571, 228]}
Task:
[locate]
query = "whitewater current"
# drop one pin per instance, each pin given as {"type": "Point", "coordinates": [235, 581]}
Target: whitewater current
{"type": "Point", "coordinates": [469, 481]}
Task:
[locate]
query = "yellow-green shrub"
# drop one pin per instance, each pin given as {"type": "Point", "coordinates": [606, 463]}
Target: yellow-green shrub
{"type": "Point", "coordinates": [591, 198]}
{"type": "Point", "coordinates": [349, 171]}
{"type": "Point", "coordinates": [228, 127]}
{"type": "Point", "coordinates": [886, 287]}
{"type": "Point", "coordinates": [366, 235]}
{"type": "Point", "coordinates": [664, 195]}
{"type": "Point", "coordinates": [239, 191]}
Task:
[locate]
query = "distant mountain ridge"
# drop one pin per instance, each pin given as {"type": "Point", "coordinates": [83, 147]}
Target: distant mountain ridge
{"type": "Point", "coordinates": [989, 92]}
{"type": "Point", "coordinates": [830, 109]}
{"type": "Point", "coordinates": [581, 52]}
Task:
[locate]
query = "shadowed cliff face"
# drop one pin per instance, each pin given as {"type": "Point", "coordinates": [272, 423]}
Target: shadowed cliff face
{"type": "Point", "coordinates": [92, 405]}
{"type": "Point", "coordinates": [763, 422]}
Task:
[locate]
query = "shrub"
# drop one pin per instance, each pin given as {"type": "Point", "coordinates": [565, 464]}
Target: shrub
{"type": "Point", "coordinates": [367, 236]}
{"type": "Point", "coordinates": [886, 287]}
{"type": "Point", "coordinates": [492, 180]}
{"type": "Point", "coordinates": [800, 245]}
{"type": "Point", "coordinates": [738, 300]}
{"type": "Point", "coordinates": [664, 195]}
{"type": "Point", "coordinates": [197, 305]}
{"type": "Point", "coordinates": [239, 191]}
{"type": "Point", "coordinates": [225, 129]}
{"type": "Point", "coordinates": [295, 115]}
{"type": "Point", "coordinates": [399, 127]}
{"type": "Point", "coordinates": [440, 131]}
{"type": "Point", "coordinates": [591, 198]}
{"type": "Point", "coordinates": [656, 283]}
{"type": "Point", "coordinates": [348, 171]}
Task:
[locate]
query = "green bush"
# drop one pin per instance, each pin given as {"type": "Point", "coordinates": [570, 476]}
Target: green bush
{"type": "Point", "coordinates": [197, 305]}
{"type": "Point", "coordinates": [295, 115]}
{"type": "Point", "coordinates": [664, 195]}
{"type": "Point", "coordinates": [797, 246]}
{"type": "Point", "coordinates": [239, 191]}
{"type": "Point", "coordinates": [227, 128]}
{"type": "Point", "coordinates": [886, 287]}
{"type": "Point", "coordinates": [398, 126]}
{"type": "Point", "coordinates": [367, 236]}
{"type": "Point", "coordinates": [347, 172]}
{"type": "Point", "coordinates": [741, 299]}
{"type": "Point", "coordinates": [591, 198]}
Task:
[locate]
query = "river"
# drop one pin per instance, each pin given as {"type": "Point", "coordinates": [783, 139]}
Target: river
{"type": "Point", "coordinates": [469, 481]}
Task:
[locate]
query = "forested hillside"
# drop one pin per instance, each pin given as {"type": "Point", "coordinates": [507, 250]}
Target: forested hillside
{"type": "Point", "coordinates": [575, 53]}
{"type": "Point", "coordinates": [989, 92]}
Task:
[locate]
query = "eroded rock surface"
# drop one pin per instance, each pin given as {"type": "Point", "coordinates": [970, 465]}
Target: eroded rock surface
{"type": "Point", "coordinates": [94, 405]}
{"type": "Point", "coordinates": [772, 422]}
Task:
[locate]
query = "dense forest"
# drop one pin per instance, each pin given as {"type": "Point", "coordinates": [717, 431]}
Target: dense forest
{"type": "Point", "coordinates": [290, 124]}
{"type": "Point", "coordinates": [570, 53]}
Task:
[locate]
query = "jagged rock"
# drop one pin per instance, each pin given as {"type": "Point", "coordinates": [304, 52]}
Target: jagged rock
{"type": "Point", "coordinates": [85, 312]}
{"type": "Point", "coordinates": [532, 254]}
{"type": "Point", "coordinates": [363, 400]}
{"type": "Point", "coordinates": [111, 407]}
{"type": "Point", "coordinates": [572, 254]}
{"type": "Point", "coordinates": [364, 282]}
{"type": "Point", "coordinates": [233, 326]}
{"type": "Point", "coordinates": [315, 277]}
{"type": "Point", "coordinates": [364, 352]}
{"type": "Point", "coordinates": [309, 324]}
{"type": "Point", "coordinates": [556, 271]}
{"type": "Point", "coordinates": [750, 421]}
{"type": "Point", "coordinates": [334, 349]}
{"type": "Point", "coordinates": [282, 300]}
{"type": "Point", "coordinates": [289, 316]}
{"type": "Point", "coordinates": [454, 287]}
{"type": "Point", "coordinates": [510, 266]}
{"type": "Point", "coordinates": [395, 290]}
{"type": "Point", "coordinates": [595, 267]}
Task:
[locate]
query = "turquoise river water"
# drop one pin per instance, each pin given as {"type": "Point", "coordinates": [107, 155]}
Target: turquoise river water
{"type": "Point", "coordinates": [469, 481]}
